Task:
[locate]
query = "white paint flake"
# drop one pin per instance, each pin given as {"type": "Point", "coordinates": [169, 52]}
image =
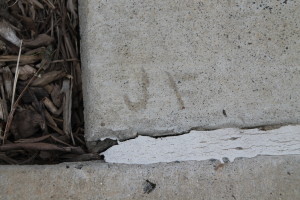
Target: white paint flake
{"type": "Point", "coordinates": [203, 145]}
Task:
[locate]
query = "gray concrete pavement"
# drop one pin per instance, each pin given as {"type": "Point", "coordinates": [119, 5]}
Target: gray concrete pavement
{"type": "Point", "coordinates": [163, 67]}
{"type": "Point", "coordinates": [263, 178]}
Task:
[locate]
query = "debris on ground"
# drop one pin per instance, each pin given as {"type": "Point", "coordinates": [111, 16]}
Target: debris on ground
{"type": "Point", "coordinates": [41, 108]}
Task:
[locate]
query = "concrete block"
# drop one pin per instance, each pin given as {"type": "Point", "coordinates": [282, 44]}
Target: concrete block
{"type": "Point", "coordinates": [162, 67]}
{"type": "Point", "coordinates": [263, 178]}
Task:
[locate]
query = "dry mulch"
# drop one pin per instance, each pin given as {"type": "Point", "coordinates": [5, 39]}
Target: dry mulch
{"type": "Point", "coordinates": [41, 109]}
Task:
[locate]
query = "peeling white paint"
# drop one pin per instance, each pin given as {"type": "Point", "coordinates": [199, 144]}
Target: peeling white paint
{"type": "Point", "coordinates": [203, 145]}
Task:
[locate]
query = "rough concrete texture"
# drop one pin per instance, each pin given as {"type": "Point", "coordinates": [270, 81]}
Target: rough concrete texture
{"type": "Point", "coordinates": [162, 66]}
{"type": "Point", "coordinates": [263, 178]}
{"type": "Point", "coordinates": [222, 144]}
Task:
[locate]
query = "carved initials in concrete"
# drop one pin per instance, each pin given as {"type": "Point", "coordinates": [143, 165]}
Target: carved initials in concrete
{"type": "Point", "coordinates": [142, 103]}
{"type": "Point", "coordinates": [173, 86]}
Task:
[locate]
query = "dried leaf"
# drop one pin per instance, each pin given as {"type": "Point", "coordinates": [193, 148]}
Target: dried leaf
{"type": "Point", "coordinates": [25, 72]}
{"type": "Point", "coordinates": [26, 123]}
{"type": "Point", "coordinates": [24, 59]}
{"type": "Point", "coordinates": [37, 3]}
{"type": "Point", "coordinates": [8, 33]}
{"type": "Point", "coordinates": [49, 77]}
{"type": "Point", "coordinates": [56, 96]}
{"type": "Point", "coordinates": [8, 81]}
{"type": "Point", "coordinates": [40, 40]}
{"type": "Point", "coordinates": [51, 107]}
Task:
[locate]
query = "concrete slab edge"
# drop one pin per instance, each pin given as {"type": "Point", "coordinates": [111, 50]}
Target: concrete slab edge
{"type": "Point", "coordinates": [262, 177]}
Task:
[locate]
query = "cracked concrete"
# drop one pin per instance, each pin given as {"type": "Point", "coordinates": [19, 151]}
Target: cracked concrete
{"type": "Point", "coordinates": [161, 67]}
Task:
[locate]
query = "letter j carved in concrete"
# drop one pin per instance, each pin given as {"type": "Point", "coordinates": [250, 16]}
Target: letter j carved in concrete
{"type": "Point", "coordinates": [142, 103]}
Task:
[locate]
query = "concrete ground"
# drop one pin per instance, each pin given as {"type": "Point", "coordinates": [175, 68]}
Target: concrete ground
{"type": "Point", "coordinates": [262, 177]}
{"type": "Point", "coordinates": [165, 67]}
{"type": "Point", "coordinates": [162, 67]}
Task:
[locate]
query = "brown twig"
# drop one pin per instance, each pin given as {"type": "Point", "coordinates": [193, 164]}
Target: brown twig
{"type": "Point", "coordinates": [42, 138]}
{"type": "Point", "coordinates": [40, 146]}
{"type": "Point", "coordinates": [25, 59]}
{"type": "Point", "coordinates": [66, 60]}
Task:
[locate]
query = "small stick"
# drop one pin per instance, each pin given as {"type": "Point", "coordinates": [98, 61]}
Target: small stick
{"type": "Point", "coordinates": [39, 139]}
{"type": "Point", "coordinates": [66, 60]}
{"type": "Point", "coordinates": [16, 76]}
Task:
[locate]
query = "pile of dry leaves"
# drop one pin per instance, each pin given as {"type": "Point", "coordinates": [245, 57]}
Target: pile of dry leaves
{"type": "Point", "coordinates": [41, 111]}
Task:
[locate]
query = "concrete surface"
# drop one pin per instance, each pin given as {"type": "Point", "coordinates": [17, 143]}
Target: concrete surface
{"type": "Point", "coordinates": [163, 67]}
{"type": "Point", "coordinates": [222, 144]}
{"type": "Point", "coordinates": [263, 178]}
